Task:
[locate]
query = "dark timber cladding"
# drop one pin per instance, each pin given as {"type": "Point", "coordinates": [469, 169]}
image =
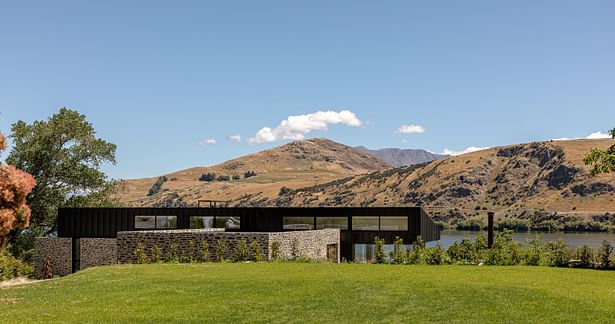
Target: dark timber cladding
{"type": "Point", "coordinates": [386, 222]}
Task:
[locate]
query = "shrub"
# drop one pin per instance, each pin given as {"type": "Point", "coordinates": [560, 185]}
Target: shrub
{"type": "Point", "coordinates": [172, 256]}
{"type": "Point", "coordinates": [504, 251]}
{"type": "Point", "coordinates": [189, 252]}
{"type": "Point", "coordinates": [380, 255]}
{"type": "Point", "coordinates": [463, 252]}
{"type": "Point", "coordinates": [236, 177]}
{"type": "Point", "coordinates": [255, 251]}
{"type": "Point", "coordinates": [604, 255]}
{"type": "Point", "coordinates": [249, 174]}
{"type": "Point", "coordinates": [241, 252]}
{"type": "Point", "coordinates": [534, 252]}
{"type": "Point", "coordinates": [275, 250]}
{"type": "Point", "coordinates": [204, 251]}
{"type": "Point", "coordinates": [140, 254]}
{"type": "Point", "coordinates": [417, 255]}
{"type": "Point", "coordinates": [285, 190]}
{"type": "Point", "coordinates": [157, 186]}
{"type": "Point", "coordinates": [156, 254]}
{"type": "Point", "coordinates": [397, 254]}
{"type": "Point", "coordinates": [436, 255]}
{"type": "Point", "coordinates": [585, 255]}
{"type": "Point", "coordinates": [223, 178]}
{"type": "Point", "coordinates": [220, 250]}
{"type": "Point", "coordinates": [557, 253]}
{"type": "Point", "coordinates": [208, 177]}
{"type": "Point", "coordinates": [11, 267]}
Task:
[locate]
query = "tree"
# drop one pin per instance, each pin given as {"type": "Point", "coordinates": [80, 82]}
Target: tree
{"type": "Point", "coordinates": [603, 161]}
{"type": "Point", "coordinates": [15, 185]}
{"type": "Point", "coordinates": [64, 156]}
{"type": "Point", "coordinates": [612, 133]}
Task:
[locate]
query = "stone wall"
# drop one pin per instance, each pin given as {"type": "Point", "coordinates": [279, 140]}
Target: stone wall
{"type": "Point", "coordinates": [59, 249]}
{"type": "Point", "coordinates": [127, 243]}
{"type": "Point", "coordinates": [97, 252]}
{"type": "Point", "coordinates": [308, 244]}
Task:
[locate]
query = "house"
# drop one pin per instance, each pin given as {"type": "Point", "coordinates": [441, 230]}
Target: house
{"type": "Point", "coordinates": [98, 236]}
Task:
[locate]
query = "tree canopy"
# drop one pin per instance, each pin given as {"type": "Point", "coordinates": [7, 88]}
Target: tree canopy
{"type": "Point", "coordinates": [603, 161]}
{"type": "Point", "coordinates": [15, 185]}
{"type": "Point", "coordinates": [64, 156]}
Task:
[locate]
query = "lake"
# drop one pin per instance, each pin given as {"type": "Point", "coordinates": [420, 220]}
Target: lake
{"type": "Point", "coordinates": [574, 239]}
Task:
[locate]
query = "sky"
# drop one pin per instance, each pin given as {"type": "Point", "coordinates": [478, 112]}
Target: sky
{"type": "Point", "coordinates": [177, 84]}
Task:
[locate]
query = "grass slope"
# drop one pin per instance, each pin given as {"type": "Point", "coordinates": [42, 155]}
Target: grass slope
{"type": "Point", "coordinates": [287, 292]}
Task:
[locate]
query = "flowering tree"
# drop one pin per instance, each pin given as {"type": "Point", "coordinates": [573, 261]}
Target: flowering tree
{"type": "Point", "coordinates": [15, 185]}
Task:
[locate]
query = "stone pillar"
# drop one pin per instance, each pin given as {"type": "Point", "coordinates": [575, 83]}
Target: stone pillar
{"type": "Point", "coordinates": [59, 250]}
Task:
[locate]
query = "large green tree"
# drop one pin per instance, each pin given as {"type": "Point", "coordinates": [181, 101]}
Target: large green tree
{"type": "Point", "coordinates": [64, 156]}
{"type": "Point", "coordinates": [603, 161]}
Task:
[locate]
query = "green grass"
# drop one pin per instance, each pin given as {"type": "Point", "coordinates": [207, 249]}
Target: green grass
{"type": "Point", "coordinates": [294, 292]}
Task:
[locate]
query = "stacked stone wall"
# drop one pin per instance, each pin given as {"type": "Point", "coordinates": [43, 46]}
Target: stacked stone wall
{"type": "Point", "coordinates": [307, 244]}
{"type": "Point", "coordinates": [97, 252]}
{"type": "Point", "coordinates": [60, 252]}
{"type": "Point", "coordinates": [178, 241]}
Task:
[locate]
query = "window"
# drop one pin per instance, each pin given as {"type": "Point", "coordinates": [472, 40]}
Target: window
{"type": "Point", "coordinates": [393, 223]}
{"type": "Point", "coordinates": [145, 222]}
{"type": "Point", "coordinates": [166, 222]}
{"type": "Point", "coordinates": [155, 222]}
{"type": "Point", "coordinates": [201, 222]}
{"type": "Point", "coordinates": [298, 223]}
{"type": "Point", "coordinates": [332, 222]}
{"type": "Point", "coordinates": [228, 222]}
{"type": "Point", "coordinates": [364, 223]}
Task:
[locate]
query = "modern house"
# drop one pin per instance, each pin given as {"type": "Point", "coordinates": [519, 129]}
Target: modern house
{"type": "Point", "coordinates": [109, 235]}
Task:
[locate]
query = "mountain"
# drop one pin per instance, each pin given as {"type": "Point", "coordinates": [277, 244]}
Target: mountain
{"type": "Point", "coordinates": [510, 180]}
{"type": "Point", "coordinates": [296, 164]}
{"type": "Point", "coordinates": [403, 157]}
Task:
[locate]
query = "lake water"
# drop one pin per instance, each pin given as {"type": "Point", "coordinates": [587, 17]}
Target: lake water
{"type": "Point", "coordinates": [574, 239]}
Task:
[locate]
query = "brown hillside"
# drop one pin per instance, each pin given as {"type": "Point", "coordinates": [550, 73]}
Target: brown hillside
{"type": "Point", "coordinates": [549, 175]}
{"type": "Point", "coordinates": [294, 165]}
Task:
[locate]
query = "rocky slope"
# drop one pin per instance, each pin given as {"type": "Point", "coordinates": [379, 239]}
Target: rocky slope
{"type": "Point", "coordinates": [403, 157]}
{"type": "Point", "coordinates": [296, 164]}
{"type": "Point", "coordinates": [510, 180]}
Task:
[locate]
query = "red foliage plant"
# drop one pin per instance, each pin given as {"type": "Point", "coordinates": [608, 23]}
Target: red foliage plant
{"type": "Point", "coordinates": [15, 186]}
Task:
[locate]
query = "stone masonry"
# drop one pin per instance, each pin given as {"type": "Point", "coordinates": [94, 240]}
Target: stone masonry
{"type": "Point", "coordinates": [316, 244]}
{"type": "Point", "coordinates": [59, 250]}
{"type": "Point", "coordinates": [97, 252]}
{"type": "Point", "coordinates": [308, 244]}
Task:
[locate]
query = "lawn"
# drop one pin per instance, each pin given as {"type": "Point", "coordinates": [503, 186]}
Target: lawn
{"type": "Point", "coordinates": [295, 292]}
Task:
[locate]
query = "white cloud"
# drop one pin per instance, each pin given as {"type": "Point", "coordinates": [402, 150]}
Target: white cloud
{"type": "Point", "coordinates": [295, 127]}
{"type": "Point", "coordinates": [411, 129]}
{"type": "Point", "coordinates": [209, 141]}
{"type": "Point", "coordinates": [594, 135]}
{"type": "Point", "coordinates": [234, 138]}
{"type": "Point", "coordinates": [467, 150]}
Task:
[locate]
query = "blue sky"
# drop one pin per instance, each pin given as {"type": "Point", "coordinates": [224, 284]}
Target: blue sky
{"type": "Point", "coordinates": [158, 78]}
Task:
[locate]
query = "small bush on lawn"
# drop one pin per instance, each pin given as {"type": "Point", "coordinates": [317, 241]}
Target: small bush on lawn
{"type": "Point", "coordinates": [204, 251]}
{"type": "Point", "coordinates": [220, 250]}
{"type": "Point", "coordinates": [10, 267]}
{"type": "Point", "coordinates": [255, 251]}
{"type": "Point", "coordinates": [140, 254]}
{"type": "Point", "coordinates": [241, 251]}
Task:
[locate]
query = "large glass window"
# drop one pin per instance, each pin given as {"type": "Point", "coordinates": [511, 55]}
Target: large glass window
{"type": "Point", "coordinates": [201, 222]}
{"type": "Point", "coordinates": [298, 223]}
{"type": "Point", "coordinates": [364, 223]}
{"type": "Point", "coordinates": [155, 222]}
{"type": "Point", "coordinates": [332, 222]}
{"type": "Point", "coordinates": [393, 223]}
{"type": "Point", "coordinates": [228, 222]}
{"type": "Point", "coordinates": [145, 222]}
